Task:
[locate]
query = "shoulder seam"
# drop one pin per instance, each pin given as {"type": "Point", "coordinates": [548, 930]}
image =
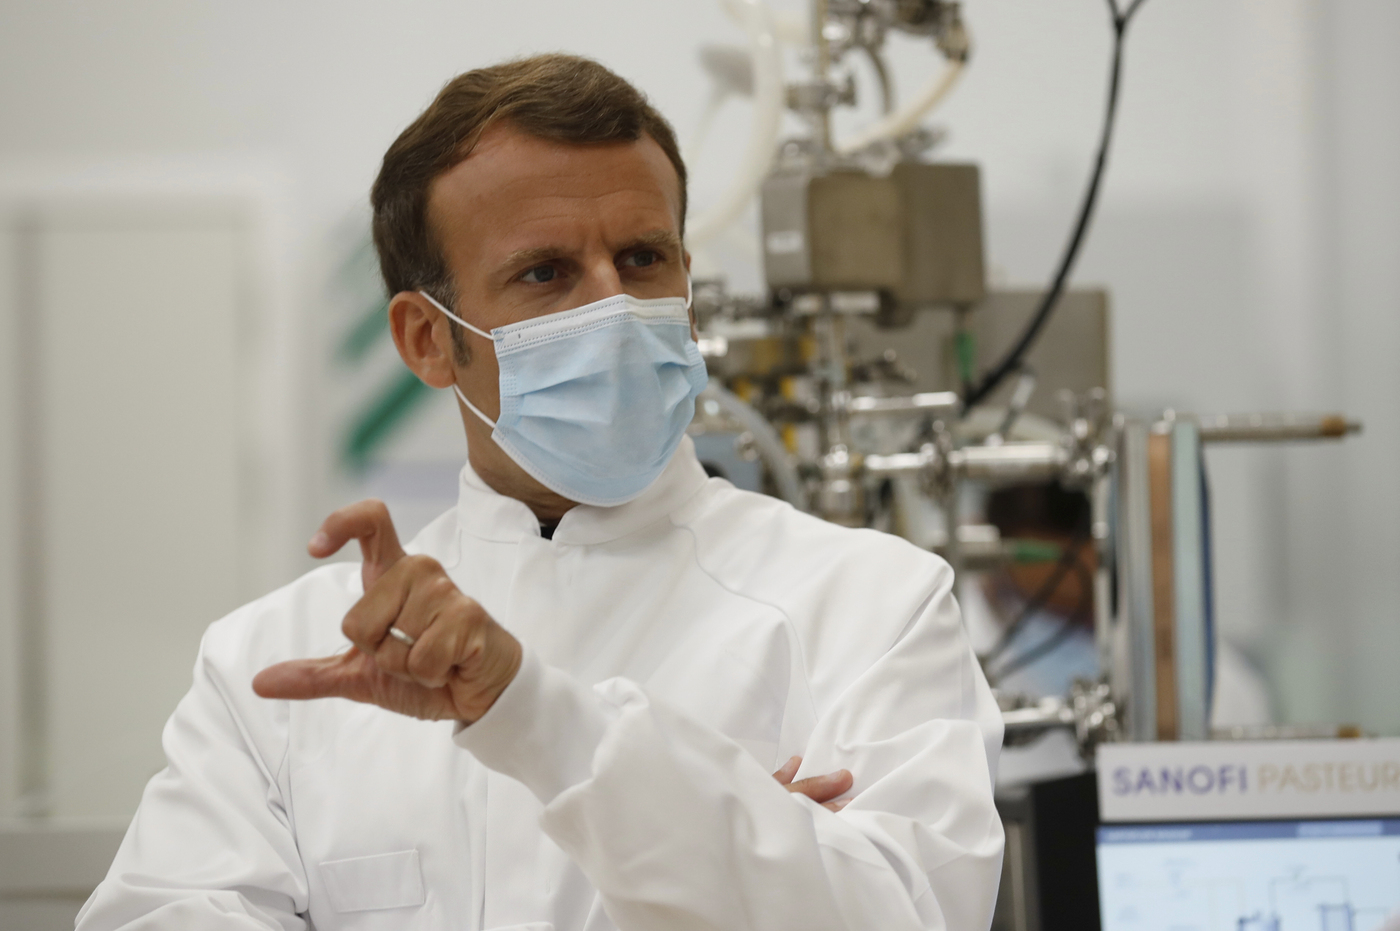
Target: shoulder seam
{"type": "Point", "coordinates": [787, 618]}
{"type": "Point", "coordinates": [695, 546]}
{"type": "Point", "coordinates": [272, 775]}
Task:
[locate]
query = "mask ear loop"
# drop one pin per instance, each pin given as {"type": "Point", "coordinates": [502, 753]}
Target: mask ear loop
{"type": "Point", "coordinates": [451, 316]}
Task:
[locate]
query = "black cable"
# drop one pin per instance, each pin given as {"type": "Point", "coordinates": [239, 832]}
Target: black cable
{"type": "Point", "coordinates": [1066, 628]}
{"type": "Point", "coordinates": [1012, 360]}
{"type": "Point", "coordinates": [1068, 559]}
{"type": "Point", "coordinates": [1132, 8]}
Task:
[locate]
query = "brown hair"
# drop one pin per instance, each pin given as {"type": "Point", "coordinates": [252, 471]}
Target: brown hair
{"type": "Point", "coordinates": [562, 98]}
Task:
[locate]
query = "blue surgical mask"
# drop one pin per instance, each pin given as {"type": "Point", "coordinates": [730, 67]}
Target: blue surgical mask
{"type": "Point", "coordinates": [595, 400]}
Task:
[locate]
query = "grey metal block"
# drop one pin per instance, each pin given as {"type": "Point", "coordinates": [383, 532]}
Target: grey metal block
{"type": "Point", "coordinates": [914, 235]}
{"type": "Point", "coordinates": [942, 237]}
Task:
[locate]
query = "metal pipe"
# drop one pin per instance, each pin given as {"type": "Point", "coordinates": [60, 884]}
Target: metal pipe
{"type": "Point", "coordinates": [1010, 462]}
{"type": "Point", "coordinates": [1049, 714]}
{"type": "Point", "coordinates": [1101, 530]}
{"type": "Point", "coordinates": [900, 463]}
{"type": "Point", "coordinates": [930, 402]}
{"type": "Point", "coordinates": [1253, 428]}
{"type": "Point", "coordinates": [1286, 732]}
{"type": "Point", "coordinates": [830, 331]}
{"type": "Point", "coordinates": [821, 50]}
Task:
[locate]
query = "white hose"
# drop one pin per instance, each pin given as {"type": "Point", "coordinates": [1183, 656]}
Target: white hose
{"type": "Point", "coordinates": [769, 99]}
{"type": "Point", "coordinates": [766, 440]}
{"type": "Point", "coordinates": [906, 117]}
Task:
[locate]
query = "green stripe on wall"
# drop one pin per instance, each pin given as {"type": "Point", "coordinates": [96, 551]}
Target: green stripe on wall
{"type": "Point", "coordinates": [372, 326]}
{"type": "Point", "coordinates": [384, 414]}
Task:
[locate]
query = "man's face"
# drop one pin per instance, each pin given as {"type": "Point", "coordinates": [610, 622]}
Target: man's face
{"type": "Point", "coordinates": [530, 227]}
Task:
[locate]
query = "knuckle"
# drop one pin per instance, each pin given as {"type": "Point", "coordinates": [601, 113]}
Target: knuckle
{"type": "Point", "coordinates": [421, 564]}
{"type": "Point", "coordinates": [352, 626]}
{"type": "Point", "coordinates": [418, 664]}
{"type": "Point", "coordinates": [474, 613]}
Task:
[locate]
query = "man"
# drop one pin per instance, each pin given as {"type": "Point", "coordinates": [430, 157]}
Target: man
{"type": "Point", "coordinates": [567, 695]}
{"type": "Point", "coordinates": [1044, 651]}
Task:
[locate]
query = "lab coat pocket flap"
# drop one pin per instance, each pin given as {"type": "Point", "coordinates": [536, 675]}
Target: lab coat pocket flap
{"type": "Point", "coordinates": [386, 880]}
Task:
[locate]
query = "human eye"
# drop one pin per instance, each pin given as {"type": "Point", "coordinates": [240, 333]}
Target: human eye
{"type": "Point", "coordinates": [540, 274]}
{"type": "Point", "coordinates": [642, 258]}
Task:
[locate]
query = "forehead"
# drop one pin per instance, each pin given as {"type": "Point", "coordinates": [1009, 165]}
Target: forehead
{"type": "Point", "coordinates": [515, 188]}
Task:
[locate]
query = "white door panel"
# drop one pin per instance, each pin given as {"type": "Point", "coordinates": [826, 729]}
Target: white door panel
{"type": "Point", "coordinates": [140, 439]}
{"type": "Point", "coordinates": [128, 511]}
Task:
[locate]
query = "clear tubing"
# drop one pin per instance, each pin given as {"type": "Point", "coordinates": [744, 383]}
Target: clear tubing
{"type": "Point", "coordinates": [769, 98]}
{"type": "Point", "coordinates": [906, 117]}
{"type": "Point", "coordinates": [765, 440]}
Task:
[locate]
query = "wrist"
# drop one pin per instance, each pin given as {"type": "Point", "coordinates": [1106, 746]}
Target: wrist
{"type": "Point", "coordinates": [543, 732]}
{"type": "Point", "coordinates": [502, 655]}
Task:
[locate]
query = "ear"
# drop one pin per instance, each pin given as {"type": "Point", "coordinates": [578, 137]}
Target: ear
{"type": "Point", "coordinates": [424, 339]}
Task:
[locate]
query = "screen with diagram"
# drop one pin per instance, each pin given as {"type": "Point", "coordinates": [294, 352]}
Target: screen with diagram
{"type": "Point", "coordinates": [1251, 876]}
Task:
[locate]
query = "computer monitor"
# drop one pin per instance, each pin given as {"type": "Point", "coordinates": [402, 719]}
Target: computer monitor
{"type": "Point", "coordinates": [1315, 875]}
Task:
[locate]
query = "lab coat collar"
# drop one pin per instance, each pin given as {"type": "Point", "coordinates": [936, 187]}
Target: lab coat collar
{"type": "Point", "coordinates": [489, 515]}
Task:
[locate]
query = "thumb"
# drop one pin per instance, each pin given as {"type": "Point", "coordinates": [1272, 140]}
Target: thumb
{"type": "Point", "coordinates": [369, 522]}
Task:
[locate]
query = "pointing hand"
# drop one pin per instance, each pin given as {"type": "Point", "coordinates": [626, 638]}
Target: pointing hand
{"type": "Point", "coordinates": [454, 661]}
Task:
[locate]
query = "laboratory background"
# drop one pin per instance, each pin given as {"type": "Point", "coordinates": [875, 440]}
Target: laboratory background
{"type": "Point", "coordinates": [196, 366]}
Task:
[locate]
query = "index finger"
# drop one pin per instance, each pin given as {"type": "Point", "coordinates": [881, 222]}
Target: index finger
{"type": "Point", "coordinates": [369, 522]}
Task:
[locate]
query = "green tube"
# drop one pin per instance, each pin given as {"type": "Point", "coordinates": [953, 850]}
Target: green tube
{"type": "Point", "coordinates": [1027, 551]}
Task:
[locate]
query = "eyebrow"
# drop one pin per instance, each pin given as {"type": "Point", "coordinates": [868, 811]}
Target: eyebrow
{"type": "Point", "coordinates": [656, 238]}
{"type": "Point", "coordinates": [530, 256]}
{"type": "Point", "coordinates": [523, 257]}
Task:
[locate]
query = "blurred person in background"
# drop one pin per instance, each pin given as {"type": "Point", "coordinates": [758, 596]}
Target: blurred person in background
{"type": "Point", "coordinates": [1044, 607]}
{"type": "Point", "coordinates": [562, 704]}
{"type": "Point", "coordinates": [1034, 619]}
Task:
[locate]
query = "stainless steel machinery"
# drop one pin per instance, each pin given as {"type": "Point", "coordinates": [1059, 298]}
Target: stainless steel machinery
{"type": "Point", "coordinates": [851, 386]}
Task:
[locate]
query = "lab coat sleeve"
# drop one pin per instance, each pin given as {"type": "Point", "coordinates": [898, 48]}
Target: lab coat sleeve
{"type": "Point", "coordinates": [679, 827]}
{"type": "Point", "coordinates": [211, 846]}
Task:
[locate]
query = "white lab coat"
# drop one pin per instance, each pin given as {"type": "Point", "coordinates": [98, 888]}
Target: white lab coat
{"type": "Point", "coordinates": [678, 649]}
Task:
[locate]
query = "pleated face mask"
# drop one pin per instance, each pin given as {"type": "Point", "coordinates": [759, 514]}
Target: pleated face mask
{"type": "Point", "coordinates": [595, 400]}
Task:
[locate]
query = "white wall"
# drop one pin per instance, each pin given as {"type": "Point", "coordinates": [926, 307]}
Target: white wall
{"type": "Point", "coordinates": [1360, 335]}
{"type": "Point", "coordinates": [1248, 230]}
